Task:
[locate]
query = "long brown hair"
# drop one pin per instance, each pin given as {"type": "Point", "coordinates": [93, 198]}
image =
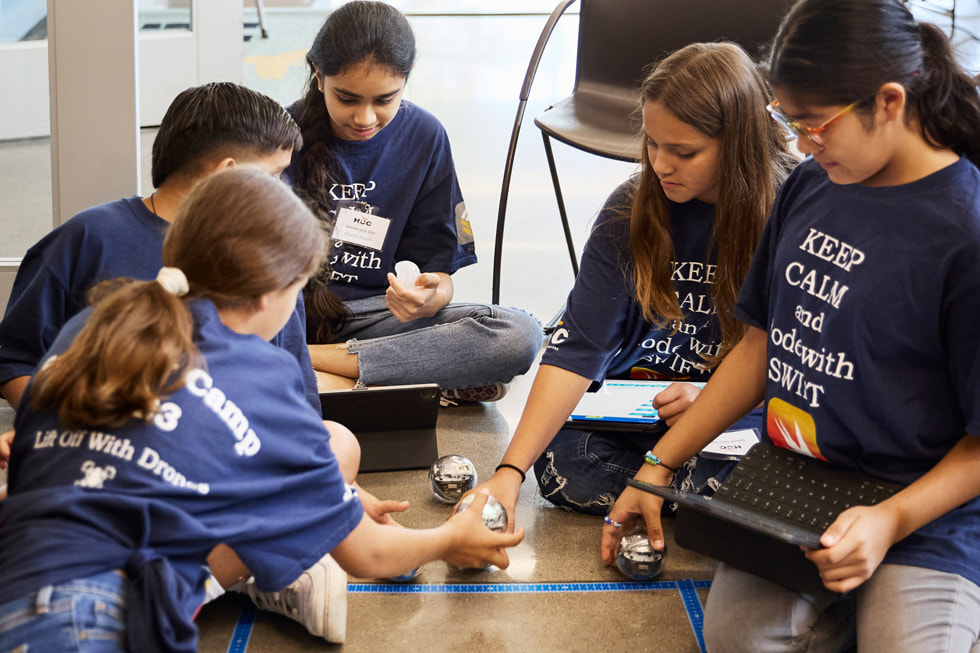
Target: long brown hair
{"type": "Point", "coordinates": [717, 89]}
{"type": "Point", "coordinates": [239, 235]}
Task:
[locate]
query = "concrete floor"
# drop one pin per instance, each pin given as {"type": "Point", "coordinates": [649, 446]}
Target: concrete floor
{"type": "Point", "coordinates": [566, 600]}
{"type": "Point", "coordinates": [469, 73]}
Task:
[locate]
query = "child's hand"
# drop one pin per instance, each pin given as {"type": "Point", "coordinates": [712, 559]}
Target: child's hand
{"type": "Point", "coordinates": [378, 510]}
{"type": "Point", "coordinates": [475, 545]}
{"type": "Point", "coordinates": [855, 544]}
{"type": "Point", "coordinates": [424, 299]}
{"type": "Point", "coordinates": [674, 400]}
{"type": "Point", "coordinates": [631, 504]}
{"type": "Point", "coordinates": [505, 486]}
{"type": "Point", "coordinates": [6, 441]}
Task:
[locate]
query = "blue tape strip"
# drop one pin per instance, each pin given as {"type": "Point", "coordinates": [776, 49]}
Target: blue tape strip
{"type": "Point", "coordinates": [692, 603]}
{"type": "Point", "coordinates": [505, 588]}
{"type": "Point", "coordinates": [687, 588]}
{"type": "Point", "coordinates": [243, 629]}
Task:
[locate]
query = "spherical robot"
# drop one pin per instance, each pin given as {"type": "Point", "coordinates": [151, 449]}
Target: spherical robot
{"type": "Point", "coordinates": [494, 514]}
{"type": "Point", "coordinates": [451, 477]}
{"type": "Point", "coordinates": [636, 558]}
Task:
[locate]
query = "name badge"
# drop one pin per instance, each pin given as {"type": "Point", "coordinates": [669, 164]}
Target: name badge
{"type": "Point", "coordinates": [360, 228]}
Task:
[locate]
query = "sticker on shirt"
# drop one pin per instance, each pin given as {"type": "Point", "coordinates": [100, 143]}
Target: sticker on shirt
{"type": "Point", "coordinates": [792, 428]}
{"type": "Point", "coordinates": [464, 232]}
{"type": "Point", "coordinates": [360, 228]}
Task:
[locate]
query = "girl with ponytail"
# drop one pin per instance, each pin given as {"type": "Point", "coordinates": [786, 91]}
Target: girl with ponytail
{"type": "Point", "coordinates": [863, 309]}
{"type": "Point", "coordinates": [379, 172]}
{"type": "Point", "coordinates": [164, 423]}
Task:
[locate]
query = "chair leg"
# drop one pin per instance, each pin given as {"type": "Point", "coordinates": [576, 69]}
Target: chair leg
{"type": "Point", "coordinates": [260, 8]}
{"type": "Point", "coordinates": [498, 243]}
{"type": "Point", "coordinates": [532, 68]}
{"type": "Point", "coordinates": [561, 203]}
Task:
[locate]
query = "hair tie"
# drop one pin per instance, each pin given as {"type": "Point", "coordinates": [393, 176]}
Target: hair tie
{"type": "Point", "coordinates": [173, 281]}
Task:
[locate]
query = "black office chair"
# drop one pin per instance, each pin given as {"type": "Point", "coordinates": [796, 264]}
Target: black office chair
{"type": "Point", "coordinates": [617, 39]}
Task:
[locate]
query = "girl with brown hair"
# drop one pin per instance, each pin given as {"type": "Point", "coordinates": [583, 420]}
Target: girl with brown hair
{"type": "Point", "coordinates": [150, 438]}
{"type": "Point", "coordinates": [658, 280]}
{"type": "Point", "coordinates": [885, 215]}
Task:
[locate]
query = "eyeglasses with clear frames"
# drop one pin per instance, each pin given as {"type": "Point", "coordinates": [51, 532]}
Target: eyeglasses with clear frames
{"type": "Point", "coordinates": [796, 130]}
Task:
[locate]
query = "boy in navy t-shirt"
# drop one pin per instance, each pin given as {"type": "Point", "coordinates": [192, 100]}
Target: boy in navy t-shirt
{"type": "Point", "coordinates": [206, 128]}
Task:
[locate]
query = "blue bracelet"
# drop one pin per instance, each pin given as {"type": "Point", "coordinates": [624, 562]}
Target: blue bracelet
{"type": "Point", "coordinates": [652, 459]}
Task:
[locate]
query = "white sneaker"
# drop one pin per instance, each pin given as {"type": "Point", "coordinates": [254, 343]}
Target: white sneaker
{"type": "Point", "coordinates": [317, 599]}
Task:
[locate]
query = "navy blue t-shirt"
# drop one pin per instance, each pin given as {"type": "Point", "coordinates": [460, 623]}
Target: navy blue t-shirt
{"type": "Point", "coordinates": [236, 456]}
{"type": "Point", "coordinates": [117, 239]}
{"type": "Point", "coordinates": [871, 301]}
{"type": "Point", "coordinates": [405, 180]}
{"type": "Point", "coordinates": [603, 333]}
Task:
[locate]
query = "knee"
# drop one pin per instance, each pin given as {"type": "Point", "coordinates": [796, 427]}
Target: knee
{"type": "Point", "coordinates": [523, 335]}
{"type": "Point", "coordinates": [346, 449]}
{"type": "Point", "coordinates": [563, 486]}
{"type": "Point", "coordinates": [722, 630]}
{"type": "Point", "coordinates": [719, 638]}
{"type": "Point", "coordinates": [747, 613]}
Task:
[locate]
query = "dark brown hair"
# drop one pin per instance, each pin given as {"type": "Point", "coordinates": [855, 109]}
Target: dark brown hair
{"type": "Point", "coordinates": [842, 51]}
{"type": "Point", "coordinates": [219, 119]}
{"type": "Point", "coordinates": [239, 235]}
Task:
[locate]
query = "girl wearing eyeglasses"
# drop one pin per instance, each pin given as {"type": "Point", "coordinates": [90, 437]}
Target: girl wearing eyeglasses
{"type": "Point", "coordinates": [863, 306]}
{"type": "Point", "coordinates": [659, 277]}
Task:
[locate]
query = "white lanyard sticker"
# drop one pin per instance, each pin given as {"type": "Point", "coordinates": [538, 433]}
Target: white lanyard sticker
{"type": "Point", "coordinates": [360, 228]}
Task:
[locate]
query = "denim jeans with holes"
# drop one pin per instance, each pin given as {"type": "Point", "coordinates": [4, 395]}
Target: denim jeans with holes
{"type": "Point", "coordinates": [586, 471]}
{"type": "Point", "coordinates": [86, 615]}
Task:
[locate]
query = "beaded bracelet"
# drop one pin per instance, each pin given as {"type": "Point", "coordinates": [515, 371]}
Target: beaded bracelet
{"type": "Point", "coordinates": [514, 467]}
{"type": "Point", "coordinates": [652, 459]}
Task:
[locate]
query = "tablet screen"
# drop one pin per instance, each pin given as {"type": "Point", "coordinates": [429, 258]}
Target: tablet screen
{"type": "Point", "coordinates": [622, 400]}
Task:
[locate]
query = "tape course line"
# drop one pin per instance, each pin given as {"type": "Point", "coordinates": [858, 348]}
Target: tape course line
{"type": "Point", "coordinates": [687, 588]}
{"type": "Point", "coordinates": [243, 629]}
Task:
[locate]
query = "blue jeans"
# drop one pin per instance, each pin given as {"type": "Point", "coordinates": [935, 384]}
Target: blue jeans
{"type": "Point", "coordinates": [900, 608]}
{"type": "Point", "coordinates": [586, 471]}
{"type": "Point", "coordinates": [461, 346]}
{"type": "Point", "coordinates": [85, 615]}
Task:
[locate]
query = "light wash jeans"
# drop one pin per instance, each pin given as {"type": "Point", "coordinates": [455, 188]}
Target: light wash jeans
{"type": "Point", "coordinates": [84, 615]}
{"type": "Point", "coordinates": [461, 346]}
{"type": "Point", "coordinates": [899, 609]}
{"type": "Point", "coordinates": [586, 471]}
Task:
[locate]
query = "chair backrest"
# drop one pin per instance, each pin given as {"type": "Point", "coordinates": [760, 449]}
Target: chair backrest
{"type": "Point", "coordinates": [617, 39]}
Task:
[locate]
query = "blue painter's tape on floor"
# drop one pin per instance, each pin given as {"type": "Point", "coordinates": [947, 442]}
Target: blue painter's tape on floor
{"type": "Point", "coordinates": [687, 588]}
{"type": "Point", "coordinates": [505, 588]}
{"type": "Point", "coordinates": [692, 603]}
{"type": "Point", "coordinates": [243, 629]}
